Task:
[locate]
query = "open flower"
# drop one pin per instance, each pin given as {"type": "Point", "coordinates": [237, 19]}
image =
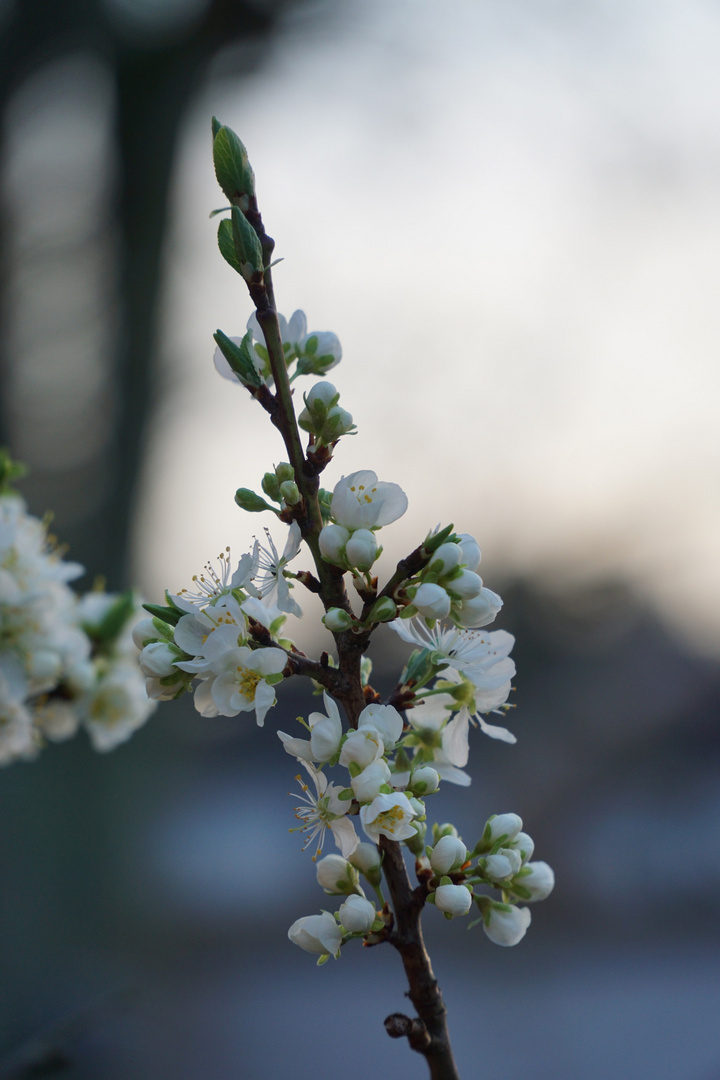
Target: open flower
{"type": "Point", "coordinates": [270, 580]}
{"type": "Point", "coordinates": [241, 681]}
{"type": "Point", "coordinates": [388, 815]}
{"type": "Point", "coordinates": [323, 811]}
{"type": "Point", "coordinates": [216, 582]}
{"type": "Point", "coordinates": [361, 501]}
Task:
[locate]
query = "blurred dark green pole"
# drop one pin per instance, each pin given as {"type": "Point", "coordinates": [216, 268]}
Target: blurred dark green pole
{"type": "Point", "coordinates": [155, 77]}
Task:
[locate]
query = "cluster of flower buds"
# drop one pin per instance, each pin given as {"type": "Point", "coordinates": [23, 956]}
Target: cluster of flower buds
{"type": "Point", "coordinates": [452, 876]}
{"type": "Point", "coordinates": [449, 587]}
{"type": "Point", "coordinates": [66, 661]}
{"type": "Point", "coordinates": [500, 860]}
{"type": "Point", "coordinates": [357, 917]}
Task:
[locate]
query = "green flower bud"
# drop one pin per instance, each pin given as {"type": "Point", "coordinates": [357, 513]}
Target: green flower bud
{"type": "Point", "coordinates": [250, 501]}
{"type": "Point", "coordinates": [290, 492]}
{"type": "Point", "coordinates": [383, 610]}
{"type": "Point", "coordinates": [336, 619]}
{"type": "Point", "coordinates": [271, 487]}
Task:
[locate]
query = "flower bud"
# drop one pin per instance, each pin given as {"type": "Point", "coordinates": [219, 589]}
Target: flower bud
{"type": "Point", "coordinates": [524, 844]}
{"type": "Point", "coordinates": [337, 876]}
{"type": "Point", "coordinates": [470, 551]}
{"type": "Point", "coordinates": [337, 422]}
{"type": "Point", "coordinates": [357, 915]}
{"type": "Point", "coordinates": [431, 601]}
{"type": "Point", "coordinates": [321, 397]}
{"type": "Point", "coordinates": [504, 924]}
{"type": "Point", "coordinates": [535, 881]}
{"type": "Point", "coordinates": [284, 471]}
{"type": "Point", "coordinates": [448, 854]}
{"type": "Point", "coordinates": [362, 746]}
{"type": "Point", "coordinates": [383, 610]}
{"type": "Point", "coordinates": [143, 632]}
{"type": "Point", "coordinates": [333, 539]}
{"type": "Point", "coordinates": [424, 781]}
{"type": "Point", "coordinates": [270, 486]}
{"type": "Point", "coordinates": [503, 827]}
{"type": "Point", "coordinates": [503, 865]}
{"type": "Point", "coordinates": [480, 610]}
{"type": "Point", "coordinates": [453, 899]}
{"type": "Point", "coordinates": [250, 501]}
{"type": "Point", "coordinates": [361, 550]}
{"type": "Point", "coordinates": [318, 934]}
{"type": "Point", "coordinates": [319, 352]}
{"type": "Point", "coordinates": [367, 859]}
{"type": "Point", "coordinates": [446, 558]}
{"type": "Point", "coordinates": [467, 585]}
{"type": "Point", "coordinates": [367, 784]}
{"type": "Point", "coordinates": [337, 620]}
{"type": "Point", "coordinates": [290, 492]}
{"type": "Point", "coordinates": [157, 660]}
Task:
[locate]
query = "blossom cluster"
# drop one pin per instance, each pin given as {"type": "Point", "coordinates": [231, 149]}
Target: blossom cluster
{"type": "Point", "coordinates": [452, 876]}
{"type": "Point", "coordinates": [66, 661]}
{"type": "Point", "coordinates": [224, 640]}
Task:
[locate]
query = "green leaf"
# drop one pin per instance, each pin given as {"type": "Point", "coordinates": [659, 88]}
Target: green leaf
{"type": "Point", "coordinates": [247, 245]}
{"type": "Point", "coordinates": [216, 125]}
{"type": "Point", "coordinates": [232, 168]}
{"type": "Point", "coordinates": [239, 358]}
{"type": "Point", "coordinates": [227, 245]}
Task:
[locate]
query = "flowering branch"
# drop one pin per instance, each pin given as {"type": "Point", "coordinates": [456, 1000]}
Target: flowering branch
{"type": "Point", "coordinates": [224, 640]}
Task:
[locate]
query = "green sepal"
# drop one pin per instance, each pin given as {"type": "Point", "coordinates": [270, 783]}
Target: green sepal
{"type": "Point", "coordinates": [239, 357]}
{"type": "Point", "coordinates": [432, 543]}
{"type": "Point", "coordinates": [323, 959]}
{"type": "Point", "coordinates": [232, 168]}
{"type": "Point", "coordinates": [346, 794]}
{"type": "Point", "coordinates": [165, 614]}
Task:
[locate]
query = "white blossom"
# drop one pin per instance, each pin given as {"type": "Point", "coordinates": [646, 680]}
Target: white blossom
{"type": "Point", "coordinates": [322, 811]}
{"type": "Point", "coordinates": [319, 934]}
{"type": "Point", "coordinates": [270, 580]}
{"type": "Point", "coordinates": [361, 550]}
{"type": "Point", "coordinates": [361, 501]}
{"type": "Point", "coordinates": [356, 915]}
{"type": "Point", "coordinates": [448, 854]}
{"type": "Point", "coordinates": [505, 924]}
{"type": "Point", "coordinates": [367, 784]}
{"type": "Point", "coordinates": [388, 815]}
{"type": "Point", "coordinates": [432, 601]}
{"type": "Point", "coordinates": [453, 899]}
{"type": "Point", "coordinates": [534, 882]}
{"type": "Point", "coordinates": [361, 747]}
{"type": "Point", "coordinates": [386, 720]}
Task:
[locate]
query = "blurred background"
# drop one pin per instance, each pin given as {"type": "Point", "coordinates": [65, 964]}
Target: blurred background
{"type": "Point", "coordinates": [508, 212]}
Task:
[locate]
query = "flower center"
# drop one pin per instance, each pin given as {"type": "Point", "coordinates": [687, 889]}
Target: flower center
{"type": "Point", "coordinates": [248, 682]}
